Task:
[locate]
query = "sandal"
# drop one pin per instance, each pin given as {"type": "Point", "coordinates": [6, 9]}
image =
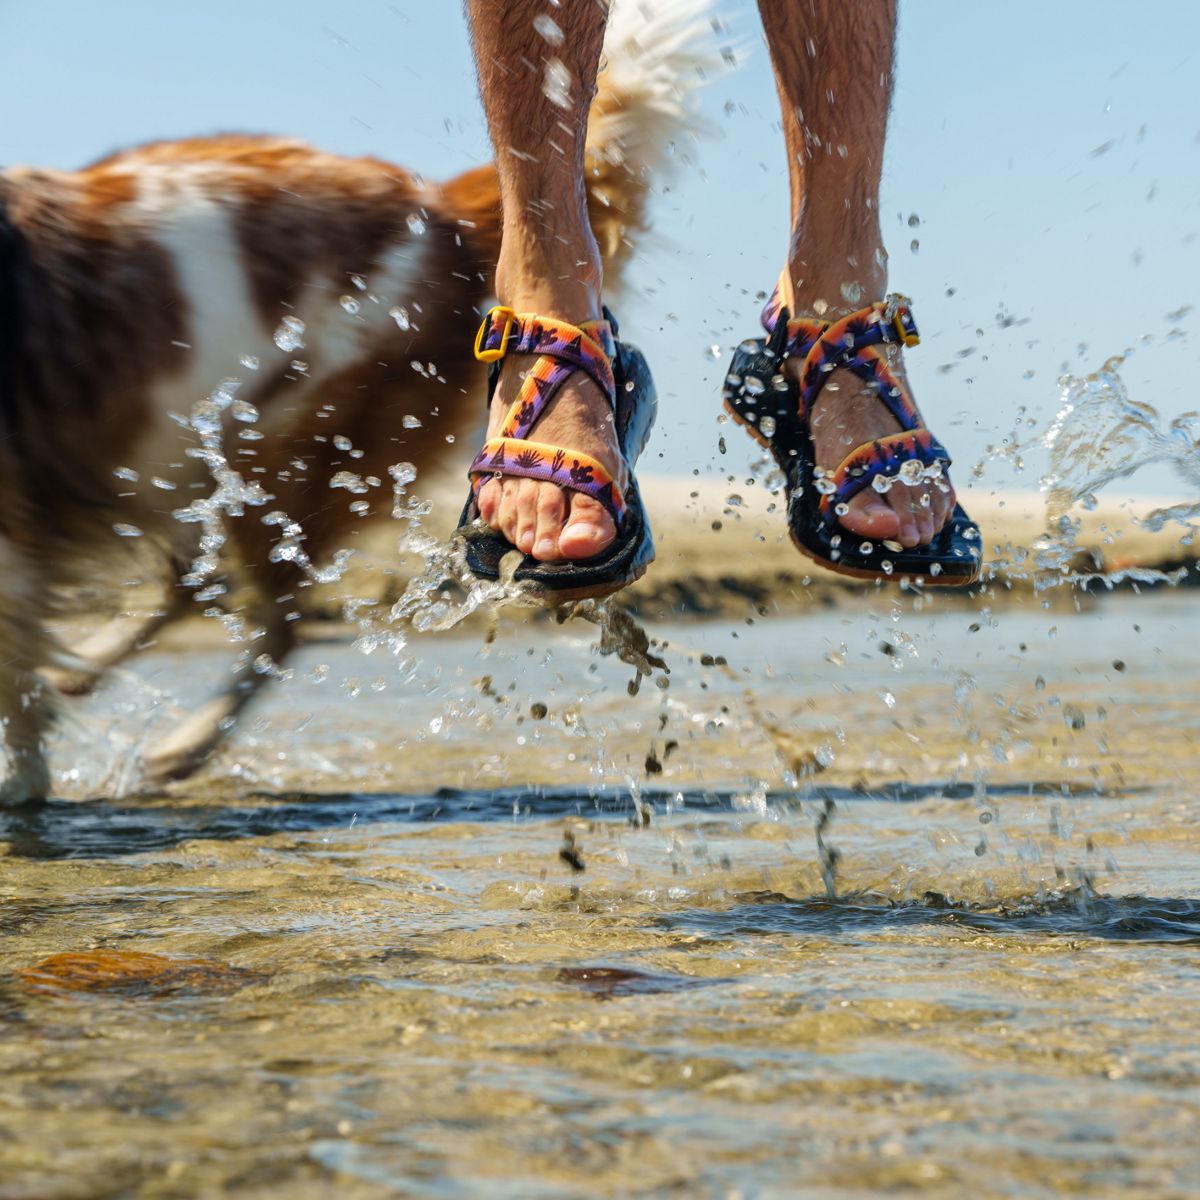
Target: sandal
{"type": "Point", "coordinates": [774, 410]}
{"type": "Point", "coordinates": [621, 373]}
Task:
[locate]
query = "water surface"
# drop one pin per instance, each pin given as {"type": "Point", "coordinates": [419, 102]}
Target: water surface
{"type": "Point", "coordinates": [910, 904]}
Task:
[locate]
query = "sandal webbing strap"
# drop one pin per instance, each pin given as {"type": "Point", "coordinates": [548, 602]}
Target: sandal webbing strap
{"type": "Point", "coordinates": [888, 456]}
{"type": "Point", "coordinates": [851, 342]}
{"type": "Point", "coordinates": [568, 469]}
{"type": "Point", "coordinates": [561, 349]}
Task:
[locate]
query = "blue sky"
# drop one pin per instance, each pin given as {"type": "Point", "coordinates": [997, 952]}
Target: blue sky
{"type": "Point", "coordinates": [1051, 152]}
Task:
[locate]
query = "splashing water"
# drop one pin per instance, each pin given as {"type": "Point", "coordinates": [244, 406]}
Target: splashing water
{"type": "Point", "coordinates": [1099, 435]}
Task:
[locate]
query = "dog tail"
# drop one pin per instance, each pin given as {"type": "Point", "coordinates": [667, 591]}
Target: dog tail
{"type": "Point", "coordinates": [642, 121]}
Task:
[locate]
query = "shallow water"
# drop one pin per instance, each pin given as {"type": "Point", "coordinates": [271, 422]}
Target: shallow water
{"type": "Point", "coordinates": [912, 903]}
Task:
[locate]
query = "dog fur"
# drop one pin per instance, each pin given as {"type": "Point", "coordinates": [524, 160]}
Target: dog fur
{"type": "Point", "coordinates": [132, 290]}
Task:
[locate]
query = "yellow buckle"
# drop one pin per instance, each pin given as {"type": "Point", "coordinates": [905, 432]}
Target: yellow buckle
{"type": "Point", "coordinates": [907, 337]}
{"type": "Point", "coordinates": [897, 308]}
{"type": "Point", "coordinates": [490, 356]}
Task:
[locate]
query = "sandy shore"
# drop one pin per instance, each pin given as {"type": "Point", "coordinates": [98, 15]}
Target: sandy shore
{"type": "Point", "coordinates": [723, 548]}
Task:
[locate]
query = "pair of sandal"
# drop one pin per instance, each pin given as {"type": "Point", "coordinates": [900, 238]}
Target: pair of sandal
{"type": "Point", "coordinates": [758, 394]}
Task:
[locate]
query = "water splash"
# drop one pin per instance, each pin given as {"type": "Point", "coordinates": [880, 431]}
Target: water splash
{"type": "Point", "coordinates": [1099, 435]}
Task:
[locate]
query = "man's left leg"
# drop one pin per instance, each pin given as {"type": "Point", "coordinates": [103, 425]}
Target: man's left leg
{"type": "Point", "coordinates": [833, 69]}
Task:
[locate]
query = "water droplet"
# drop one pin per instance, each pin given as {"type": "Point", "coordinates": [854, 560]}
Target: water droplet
{"type": "Point", "coordinates": [767, 427]}
{"type": "Point", "coordinates": [243, 410]}
{"type": "Point", "coordinates": [557, 84]}
{"type": "Point", "coordinates": [342, 442]}
{"type": "Point", "coordinates": [350, 304]}
{"type": "Point", "coordinates": [249, 361]}
{"type": "Point", "coordinates": [127, 473]}
{"type": "Point", "coordinates": [410, 422]}
{"type": "Point", "coordinates": [713, 351]}
{"type": "Point", "coordinates": [914, 245]}
{"type": "Point", "coordinates": [399, 314]}
{"type": "Point", "coordinates": [547, 27]}
{"type": "Point", "coordinates": [348, 480]}
{"type": "Point", "coordinates": [882, 483]}
{"type": "Point", "coordinates": [129, 531]}
{"type": "Point", "coordinates": [290, 334]}
{"type": "Point", "coordinates": [913, 220]}
{"type": "Point", "coordinates": [865, 548]}
{"type": "Point", "coordinates": [416, 224]}
{"type": "Point", "coordinates": [165, 484]}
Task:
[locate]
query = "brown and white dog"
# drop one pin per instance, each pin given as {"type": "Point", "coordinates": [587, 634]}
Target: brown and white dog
{"type": "Point", "coordinates": [133, 291]}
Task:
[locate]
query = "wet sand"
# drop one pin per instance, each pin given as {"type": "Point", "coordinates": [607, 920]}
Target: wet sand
{"type": "Point", "coordinates": [898, 894]}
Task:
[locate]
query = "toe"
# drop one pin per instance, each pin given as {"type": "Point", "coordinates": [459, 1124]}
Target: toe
{"type": "Point", "coordinates": [907, 533]}
{"type": "Point", "coordinates": [551, 513]}
{"type": "Point", "coordinates": [589, 529]}
{"type": "Point", "coordinates": [488, 502]}
{"type": "Point", "coordinates": [941, 505]}
{"type": "Point", "coordinates": [527, 498]}
{"type": "Point", "coordinates": [506, 517]}
{"type": "Point", "coordinates": [924, 517]}
{"type": "Point", "coordinates": [870, 517]}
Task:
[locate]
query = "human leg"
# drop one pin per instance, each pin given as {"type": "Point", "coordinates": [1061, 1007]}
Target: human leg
{"type": "Point", "coordinates": [833, 70]}
{"type": "Point", "coordinates": [536, 90]}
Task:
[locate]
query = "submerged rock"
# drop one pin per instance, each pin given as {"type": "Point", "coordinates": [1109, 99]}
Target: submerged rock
{"type": "Point", "coordinates": [130, 972]}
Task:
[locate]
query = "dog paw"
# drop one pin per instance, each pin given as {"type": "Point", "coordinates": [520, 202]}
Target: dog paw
{"type": "Point", "coordinates": [70, 681]}
{"type": "Point", "coordinates": [184, 750]}
{"type": "Point", "coordinates": [27, 782]}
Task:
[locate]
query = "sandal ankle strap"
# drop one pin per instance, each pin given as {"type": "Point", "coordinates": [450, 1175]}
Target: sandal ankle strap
{"type": "Point", "coordinates": [853, 342]}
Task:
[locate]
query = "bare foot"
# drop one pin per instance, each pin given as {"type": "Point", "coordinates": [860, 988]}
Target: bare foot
{"type": "Point", "coordinates": [542, 519]}
{"type": "Point", "coordinates": [845, 416]}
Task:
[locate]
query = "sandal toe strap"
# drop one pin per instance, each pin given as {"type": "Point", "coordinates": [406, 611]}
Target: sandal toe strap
{"type": "Point", "coordinates": [569, 469]}
{"type": "Point", "coordinates": [907, 457]}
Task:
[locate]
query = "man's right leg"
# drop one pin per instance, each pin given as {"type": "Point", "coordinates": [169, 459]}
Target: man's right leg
{"type": "Point", "coordinates": [536, 87]}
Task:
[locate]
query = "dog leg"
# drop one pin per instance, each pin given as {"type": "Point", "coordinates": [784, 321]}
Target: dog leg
{"type": "Point", "coordinates": [117, 639]}
{"type": "Point", "coordinates": [186, 747]}
{"type": "Point", "coordinates": [109, 645]}
{"type": "Point", "coordinates": [25, 725]}
{"type": "Point", "coordinates": [24, 709]}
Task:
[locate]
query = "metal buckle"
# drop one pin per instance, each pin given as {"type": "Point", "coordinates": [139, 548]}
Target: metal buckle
{"type": "Point", "coordinates": [898, 317]}
{"type": "Point", "coordinates": [509, 317]}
